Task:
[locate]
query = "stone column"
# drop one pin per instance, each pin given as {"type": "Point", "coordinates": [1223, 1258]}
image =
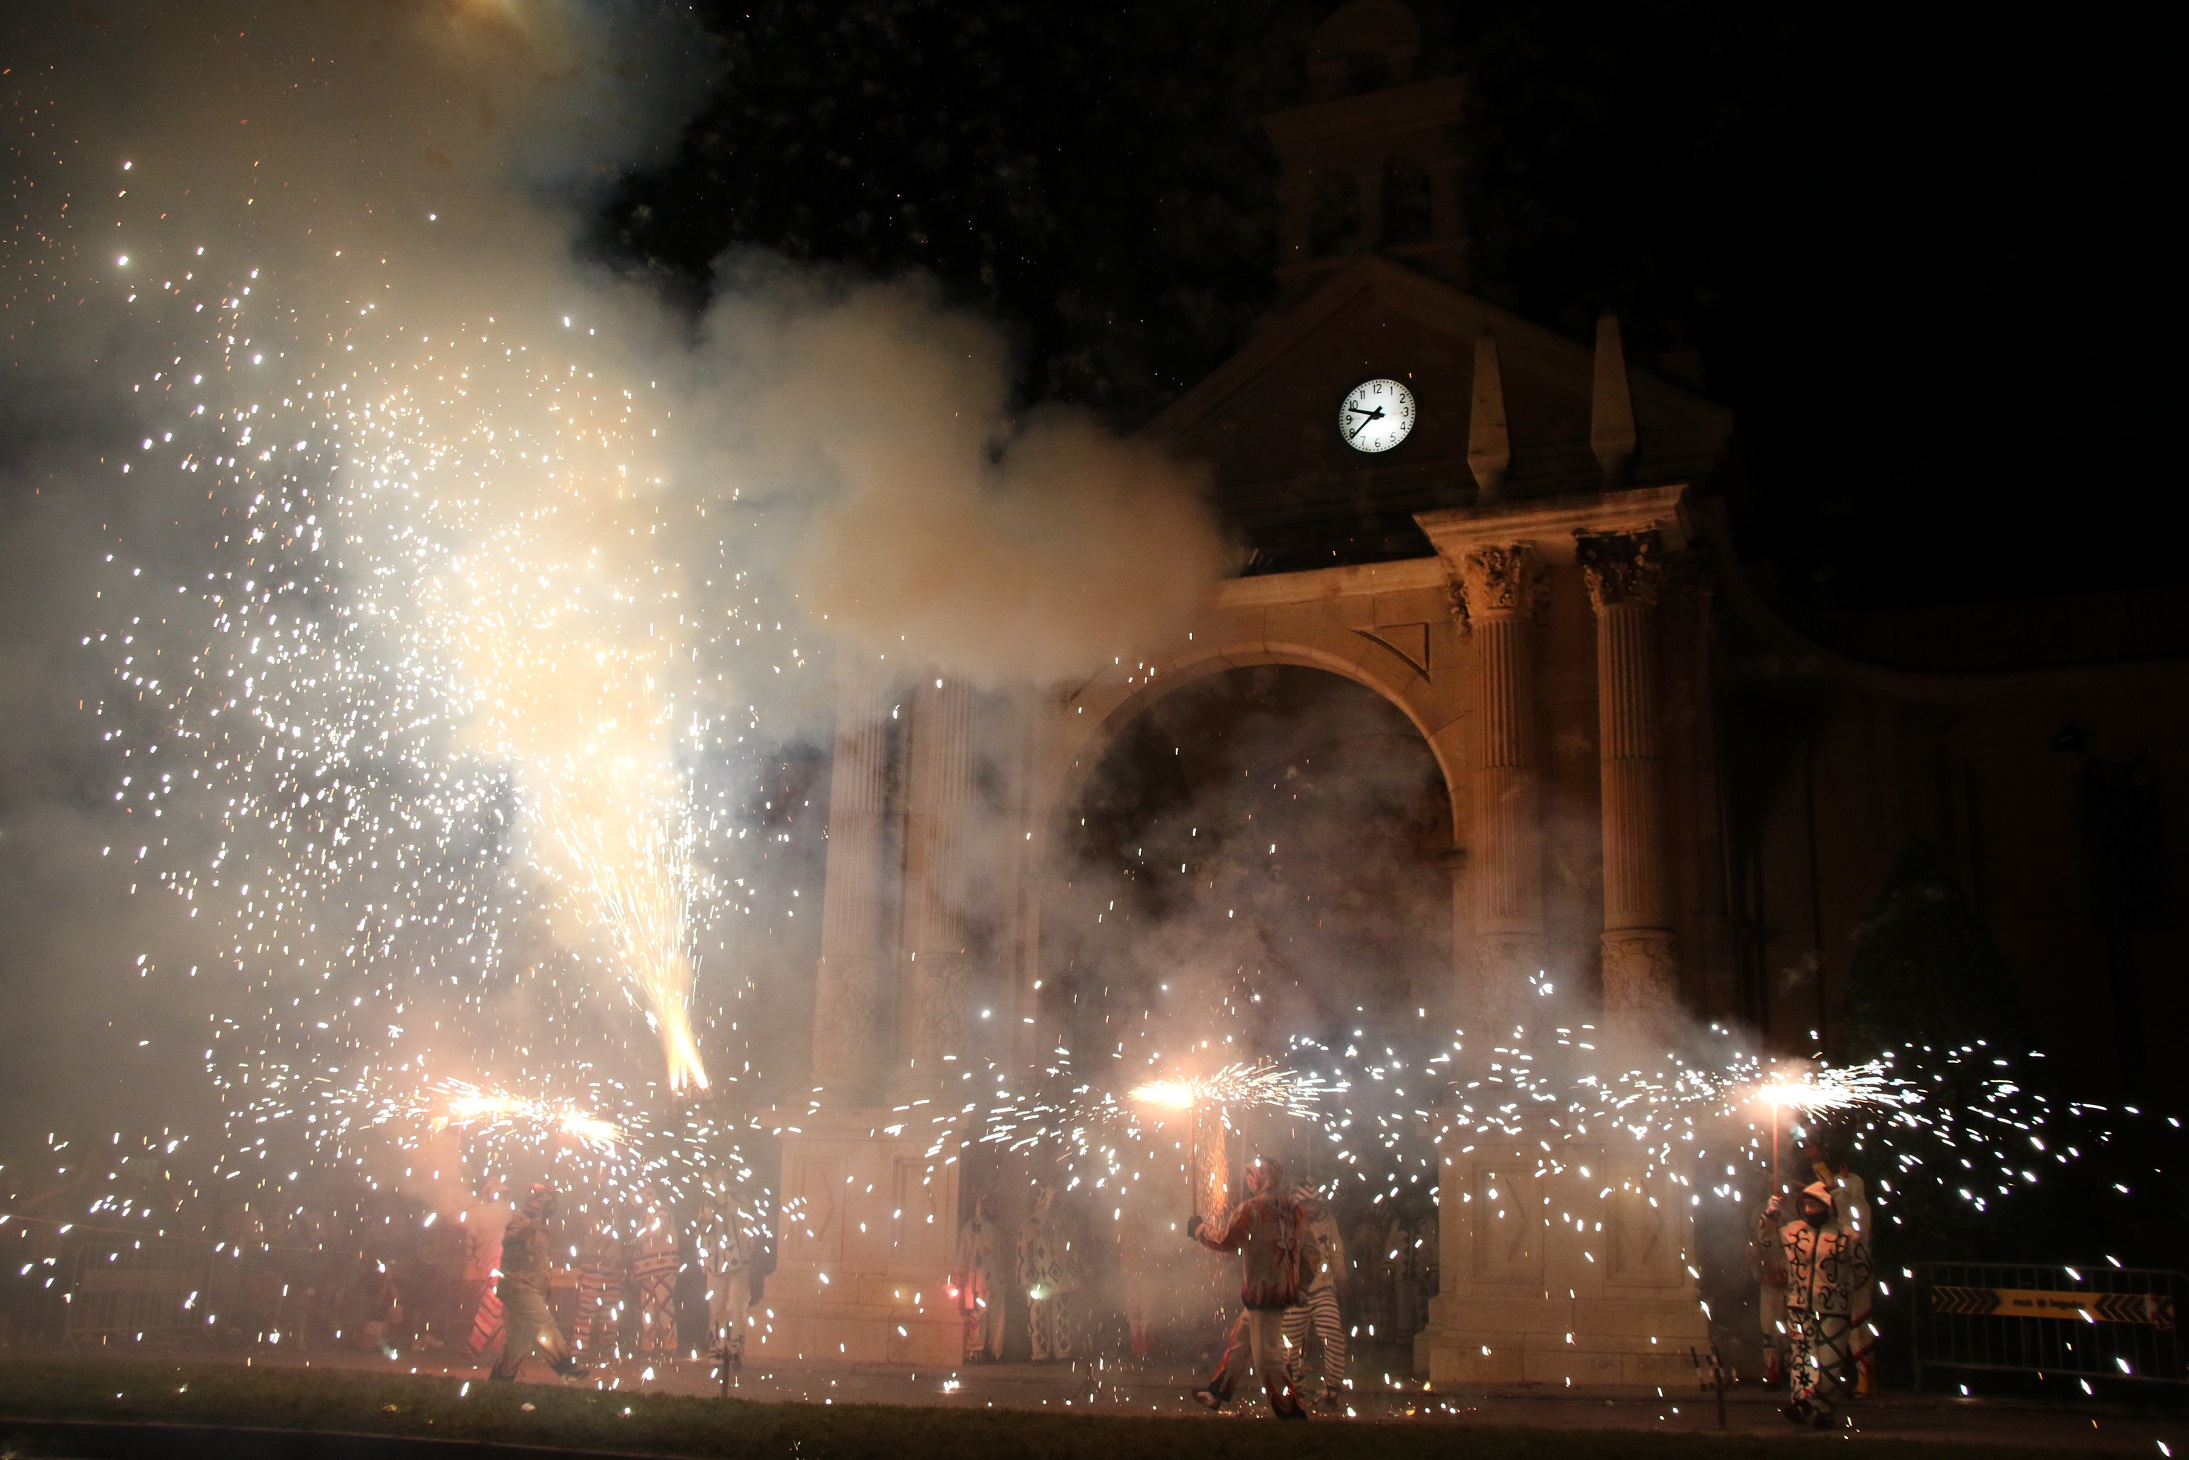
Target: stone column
{"type": "Point", "coordinates": [931, 1019]}
{"type": "Point", "coordinates": [1499, 587]}
{"type": "Point", "coordinates": [848, 996]}
{"type": "Point", "coordinates": [1641, 971]}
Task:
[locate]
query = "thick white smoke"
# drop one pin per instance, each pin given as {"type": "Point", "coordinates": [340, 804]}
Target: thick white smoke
{"type": "Point", "coordinates": [423, 492]}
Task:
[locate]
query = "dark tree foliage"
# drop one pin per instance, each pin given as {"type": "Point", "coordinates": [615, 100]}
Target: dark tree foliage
{"type": "Point", "coordinates": [1927, 978]}
{"type": "Point", "coordinates": [1926, 968]}
{"type": "Point", "coordinates": [1920, 252]}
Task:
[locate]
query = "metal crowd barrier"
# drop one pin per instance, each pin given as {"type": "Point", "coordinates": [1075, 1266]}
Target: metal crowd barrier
{"type": "Point", "coordinates": [2081, 1322]}
{"type": "Point", "coordinates": [149, 1288]}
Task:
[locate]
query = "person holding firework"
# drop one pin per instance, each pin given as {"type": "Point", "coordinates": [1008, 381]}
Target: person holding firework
{"type": "Point", "coordinates": [1266, 1231]}
{"type": "Point", "coordinates": [1827, 1268]}
{"type": "Point", "coordinates": [1048, 1272]}
{"type": "Point", "coordinates": [979, 1277]}
{"type": "Point", "coordinates": [726, 1257]}
{"type": "Point", "coordinates": [529, 1325]}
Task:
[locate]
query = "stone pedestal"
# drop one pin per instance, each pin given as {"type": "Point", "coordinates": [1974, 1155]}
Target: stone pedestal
{"type": "Point", "coordinates": [1582, 1276]}
{"type": "Point", "coordinates": [866, 1238]}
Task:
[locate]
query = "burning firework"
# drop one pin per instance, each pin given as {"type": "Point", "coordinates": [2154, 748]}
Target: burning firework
{"type": "Point", "coordinates": [421, 718]}
{"type": "Point", "coordinates": [1263, 1083]}
{"type": "Point", "coordinates": [466, 1106]}
{"type": "Point", "coordinates": [1819, 1088]}
{"type": "Point", "coordinates": [425, 700]}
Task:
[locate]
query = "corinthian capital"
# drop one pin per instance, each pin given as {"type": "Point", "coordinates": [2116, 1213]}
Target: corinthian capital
{"type": "Point", "coordinates": [1498, 580]}
{"type": "Point", "coordinates": [1621, 567]}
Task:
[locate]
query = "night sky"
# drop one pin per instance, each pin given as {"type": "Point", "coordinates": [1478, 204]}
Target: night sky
{"type": "Point", "coordinates": [1918, 253]}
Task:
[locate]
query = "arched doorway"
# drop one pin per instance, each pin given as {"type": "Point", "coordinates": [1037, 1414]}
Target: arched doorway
{"type": "Point", "coordinates": [1258, 854]}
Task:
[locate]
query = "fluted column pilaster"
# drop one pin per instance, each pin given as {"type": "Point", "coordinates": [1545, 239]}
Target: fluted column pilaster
{"type": "Point", "coordinates": [931, 1021]}
{"type": "Point", "coordinates": [1624, 572]}
{"type": "Point", "coordinates": [850, 980]}
{"type": "Point", "coordinates": [1499, 585]}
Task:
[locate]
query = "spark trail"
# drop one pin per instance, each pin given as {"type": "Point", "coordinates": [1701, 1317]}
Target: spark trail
{"type": "Point", "coordinates": [424, 697]}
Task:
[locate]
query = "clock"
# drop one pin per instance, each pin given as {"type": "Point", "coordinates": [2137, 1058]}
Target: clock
{"type": "Point", "coordinates": [1376, 415]}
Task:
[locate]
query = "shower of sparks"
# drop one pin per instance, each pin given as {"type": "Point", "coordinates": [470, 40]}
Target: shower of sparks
{"type": "Point", "coordinates": [644, 887]}
{"type": "Point", "coordinates": [429, 734]}
{"type": "Point", "coordinates": [424, 708]}
{"type": "Point", "coordinates": [1170, 1094]}
{"type": "Point", "coordinates": [1385, 1119]}
{"type": "Point", "coordinates": [467, 1107]}
{"type": "Point", "coordinates": [1829, 1089]}
{"type": "Point", "coordinates": [1263, 1083]}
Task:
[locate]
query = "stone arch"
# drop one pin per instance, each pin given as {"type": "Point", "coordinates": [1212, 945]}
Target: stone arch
{"type": "Point", "coordinates": [1106, 704]}
{"type": "Point", "coordinates": [1314, 636]}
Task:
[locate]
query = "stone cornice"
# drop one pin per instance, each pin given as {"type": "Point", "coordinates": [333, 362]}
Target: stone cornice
{"type": "Point", "coordinates": [1551, 523]}
{"type": "Point", "coordinates": [1320, 585]}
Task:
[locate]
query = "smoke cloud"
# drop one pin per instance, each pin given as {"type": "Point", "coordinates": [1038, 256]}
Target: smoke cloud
{"type": "Point", "coordinates": [943, 530]}
{"type": "Point", "coordinates": [470, 606]}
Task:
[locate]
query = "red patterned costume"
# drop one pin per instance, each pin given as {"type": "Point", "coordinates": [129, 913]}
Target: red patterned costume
{"type": "Point", "coordinates": [1268, 1234]}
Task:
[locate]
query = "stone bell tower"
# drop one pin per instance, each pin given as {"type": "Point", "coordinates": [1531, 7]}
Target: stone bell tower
{"type": "Point", "coordinates": [1372, 164]}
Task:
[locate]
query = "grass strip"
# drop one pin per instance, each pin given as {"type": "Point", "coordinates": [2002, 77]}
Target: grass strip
{"type": "Point", "coordinates": [684, 1425]}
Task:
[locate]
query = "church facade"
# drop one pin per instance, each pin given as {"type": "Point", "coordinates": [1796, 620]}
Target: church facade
{"type": "Point", "coordinates": [1656, 784]}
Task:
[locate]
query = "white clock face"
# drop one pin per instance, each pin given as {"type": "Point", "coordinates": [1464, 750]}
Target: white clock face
{"type": "Point", "coordinates": [1376, 416]}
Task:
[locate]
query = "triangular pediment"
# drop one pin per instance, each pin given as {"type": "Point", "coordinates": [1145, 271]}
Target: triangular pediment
{"type": "Point", "coordinates": [1266, 422]}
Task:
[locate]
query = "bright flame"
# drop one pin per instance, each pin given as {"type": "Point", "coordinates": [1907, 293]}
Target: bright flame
{"type": "Point", "coordinates": [482, 1107]}
{"type": "Point", "coordinates": [1825, 1090]}
{"type": "Point", "coordinates": [637, 889]}
{"type": "Point", "coordinates": [1264, 1082]}
{"type": "Point", "coordinates": [1171, 1094]}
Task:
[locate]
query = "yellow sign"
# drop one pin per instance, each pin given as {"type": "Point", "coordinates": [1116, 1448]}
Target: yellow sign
{"type": "Point", "coordinates": [2156, 1309]}
{"type": "Point", "coordinates": [2034, 1303]}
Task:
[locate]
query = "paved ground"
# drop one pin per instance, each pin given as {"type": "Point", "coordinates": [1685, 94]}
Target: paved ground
{"type": "Point", "coordinates": [2159, 1426]}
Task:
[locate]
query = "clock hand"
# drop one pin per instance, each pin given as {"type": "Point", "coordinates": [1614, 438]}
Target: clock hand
{"type": "Point", "coordinates": [1371, 416]}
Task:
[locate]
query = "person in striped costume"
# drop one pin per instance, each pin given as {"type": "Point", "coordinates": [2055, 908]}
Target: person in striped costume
{"type": "Point", "coordinates": [595, 1332]}
{"type": "Point", "coordinates": [1048, 1271]}
{"type": "Point", "coordinates": [1317, 1311]}
{"type": "Point", "coordinates": [725, 1256]}
{"type": "Point", "coordinates": [654, 1273]}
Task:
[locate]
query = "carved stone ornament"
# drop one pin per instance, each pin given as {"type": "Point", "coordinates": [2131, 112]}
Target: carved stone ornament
{"type": "Point", "coordinates": [1641, 979]}
{"type": "Point", "coordinates": [846, 1004]}
{"type": "Point", "coordinates": [1621, 567]}
{"type": "Point", "coordinates": [940, 1016]}
{"type": "Point", "coordinates": [1494, 580]}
